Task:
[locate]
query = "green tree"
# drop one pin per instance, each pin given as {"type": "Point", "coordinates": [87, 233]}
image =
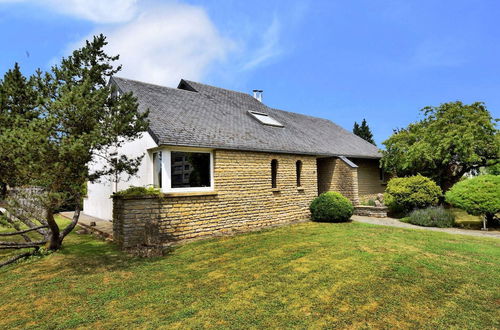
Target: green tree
{"type": "Point", "coordinates": [452, 139]}
{"type": "Point", "coordinates": [17, 107]}
{"type": "Point", "coordinates": [363, 131]}
{"type": "Point", "coordinates": [478, 196]}
{"type": "Point", "coordinates": [80, 119]}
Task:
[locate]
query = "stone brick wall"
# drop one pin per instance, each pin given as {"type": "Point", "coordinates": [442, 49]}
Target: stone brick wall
{"type": "Point", "coordinates": [369, 183]}
{"type": "Point", "coordinates": [371, 211]}
{"type": "Point", "coordinates": [244, 201]}
{"type": "Point", "coordinates": [136, 220]}
{"type": "Point", "coordinates": [336, 175]}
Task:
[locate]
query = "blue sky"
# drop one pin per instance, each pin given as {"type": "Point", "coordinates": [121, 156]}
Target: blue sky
{"type": "Point", "coordinates": [342, 60]}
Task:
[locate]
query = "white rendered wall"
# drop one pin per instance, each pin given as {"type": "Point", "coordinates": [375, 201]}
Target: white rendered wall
{"type": "Point", "coordinates": [98, 202]}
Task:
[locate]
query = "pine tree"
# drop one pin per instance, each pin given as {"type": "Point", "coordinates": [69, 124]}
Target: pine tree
{"type": "Point", "coordinates": [17, 107]}
{"type": "Point", "coordinates": [77, 119]}
{"type": "Point", "coordinates": [363, 131]}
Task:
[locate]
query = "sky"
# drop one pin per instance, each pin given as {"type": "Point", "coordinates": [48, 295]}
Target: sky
{"type": "Point", "coordinates": [382, 60]}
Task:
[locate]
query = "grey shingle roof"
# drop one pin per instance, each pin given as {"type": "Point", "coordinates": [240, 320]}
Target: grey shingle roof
{"type": "Point", "coordinates": [196, 114]}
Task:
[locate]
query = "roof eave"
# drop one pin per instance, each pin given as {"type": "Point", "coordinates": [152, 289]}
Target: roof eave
{"type": "Point", "coordinates": [292, 152]}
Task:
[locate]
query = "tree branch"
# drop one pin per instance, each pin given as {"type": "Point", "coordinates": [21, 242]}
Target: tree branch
{"type": "Point", "coordinates": [16, 227]}
{"type": "Point", "coordinates": [29, 223]}
{"type": "Point", "coordinates": [22, 231]}
{"type": "Point", "coordinates": [20, 256]}
{"type": "Point", "coordinates": [72, 225]}
{"type": "Point", "coordinates": [17, 245]}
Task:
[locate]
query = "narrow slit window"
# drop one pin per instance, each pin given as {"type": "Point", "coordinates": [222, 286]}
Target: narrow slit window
{"type": "Point", "coordinates": [274, 173]}
{"type": "Point", "coordinates": [157, 172]}
{"type": "Point", "coordinates": [298, 168]}
{"type": "Point", "coordinates": [265, 119]}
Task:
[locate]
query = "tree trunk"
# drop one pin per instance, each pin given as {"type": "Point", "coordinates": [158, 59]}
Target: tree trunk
{"type": "Point", "coordinates": [3, 190]}
{"type": "Point", "coordinates": [54, 241]}
{"type": "Point", "coordinates": [490, 219]}
{"type": "Point", "coordinates": [449, 182]}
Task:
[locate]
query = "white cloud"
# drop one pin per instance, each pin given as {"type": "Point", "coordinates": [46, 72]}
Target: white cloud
{"type": "Point", "coordinates": [269, 46]}
{"type": "Point", "coordinates": [162, 42]}
{"type": "Point", "coordinates": [98, 11]}
{"type": "Point", "coordinates": [165, 43]}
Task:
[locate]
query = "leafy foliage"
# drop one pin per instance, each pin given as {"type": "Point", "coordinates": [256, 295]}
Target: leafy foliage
{"type": "Point", "coordinates": [332, 207]}
{"type": "Point", "coordinates": [414, 192]}
{"type": "Point", "coordinates": [363, 131]}
{"type": "Point", "coordinates": [453, 139]}
{"type": "Point", "coordinates": [478, 196]}
{"type": "Point", "coordinates": [432, 217]}
{"type": "Point", "coordinates": [493, 169]}
{"type": "Point", "coordinates": [17, 107]}
{"type": "Point", "coordinates": [59, 122]}
{"type": "Point", "coordinates": [138, 191]}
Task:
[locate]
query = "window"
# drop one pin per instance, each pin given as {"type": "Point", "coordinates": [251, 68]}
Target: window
{"type": "Point", "coordinates": [195, 173]}
{"type": "Point", "coordinates": [157, 169]}
{"type": "Point", "coordinates": [298, 169]}
{"type": "Point", "coordinates": [381, 174]}
{"type": "Point", "coordinates": [274, 173]}
{"type": "Point", "coordinates": [265, 119]}
{"type": "Point", "coordinates": [183, 170]}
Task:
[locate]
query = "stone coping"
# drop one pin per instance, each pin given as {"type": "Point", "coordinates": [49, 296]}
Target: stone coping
{"type": "Point", "coordinates": [169, 195]}
{"type": "Point", "coordinates": [369, 207]}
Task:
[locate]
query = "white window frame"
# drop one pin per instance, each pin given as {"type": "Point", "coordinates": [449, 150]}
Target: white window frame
{"type": "Point", "coordinates": [272, 121]}
{"type": "Point", "coordinates": [167, 171]}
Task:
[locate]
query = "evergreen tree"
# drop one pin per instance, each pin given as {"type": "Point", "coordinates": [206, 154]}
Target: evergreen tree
{"type": "Point", "coordinates": [363, 131]}
{"type": "Point", "coordinates": [17, 107]}
{"type": "Point", "coordinates": [79, 119]}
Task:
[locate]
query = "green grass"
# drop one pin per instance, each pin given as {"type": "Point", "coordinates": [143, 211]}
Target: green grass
{"type": "Point", "coordinates": [315, 275]}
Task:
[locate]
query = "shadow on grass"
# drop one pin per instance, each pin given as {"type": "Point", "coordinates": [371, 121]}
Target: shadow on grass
{"type": "Point", "coordinates": [84, 254]}
{"type": "Point", "coordinates": [333, 222]}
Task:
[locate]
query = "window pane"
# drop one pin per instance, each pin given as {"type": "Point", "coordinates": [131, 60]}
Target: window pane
{"type": "Point", "coordinates": [190, 169]}
{"type": "Point", "coordinates": [298, 168]}
{"type": "Point", "coordinates": [266, 119]}
{"type": "Point", "coordinates": [157, 169]}
{"type": "Point", "coordinates": [274, 173]}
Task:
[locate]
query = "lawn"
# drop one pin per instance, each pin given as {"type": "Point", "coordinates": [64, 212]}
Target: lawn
{"type": "Point", "coordinates": [307, 275]}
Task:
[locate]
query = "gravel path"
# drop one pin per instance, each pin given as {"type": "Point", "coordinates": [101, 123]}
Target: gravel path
{"type": "Point", "coordinates": [396, 223]}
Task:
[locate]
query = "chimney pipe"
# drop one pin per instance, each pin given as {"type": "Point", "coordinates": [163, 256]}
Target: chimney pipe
{"type": "Point", "coordinates": [257, 94]}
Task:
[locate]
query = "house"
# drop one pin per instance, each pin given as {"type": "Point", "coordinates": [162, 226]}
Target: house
{"type": "Point", "coordinates": [226, 161]}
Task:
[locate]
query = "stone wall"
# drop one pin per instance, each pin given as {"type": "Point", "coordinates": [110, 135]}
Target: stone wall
{"type": "Point", "coordinates": [136, 221]}
{"type": "Point", "coordinates": [371, 211]}
{"type": "Point", "coordinates": [369, 182]}
{"type": "Point", "coordinates": [336, 175]}
{"type": "Point", "coordinates": [243, 201]}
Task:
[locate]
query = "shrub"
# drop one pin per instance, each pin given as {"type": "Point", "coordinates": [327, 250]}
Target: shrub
{"type": "Point", "coordinates": [477, 196]}
{"type": "Point", "coordinates": [139, 191]}
{"type": "Point", "coordinates": [432, 217]}
{"type": "Point", "coordinates": [413, 192]}
{"type": "Point", "coordinates": [369, 202]}
{"type": "Point", "coordinates": [332, 207]}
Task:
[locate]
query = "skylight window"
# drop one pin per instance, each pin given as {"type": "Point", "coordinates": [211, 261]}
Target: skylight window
{"type": "Point", "coordinates": [265, 119]}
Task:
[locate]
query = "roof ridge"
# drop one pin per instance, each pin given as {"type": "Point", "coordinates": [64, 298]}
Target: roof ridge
{"type": "Point", "coordinates": [151, 84]}
{"type": "Point", "coordinates": [226, 89]}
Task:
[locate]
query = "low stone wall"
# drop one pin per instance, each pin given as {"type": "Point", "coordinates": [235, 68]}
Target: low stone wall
{"type": "Point", "coordinates": [244, 201]}
{"type": "Point", "coordinates": [135, 221]}
{"type": "Point", "coordinates": [371, 211]}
